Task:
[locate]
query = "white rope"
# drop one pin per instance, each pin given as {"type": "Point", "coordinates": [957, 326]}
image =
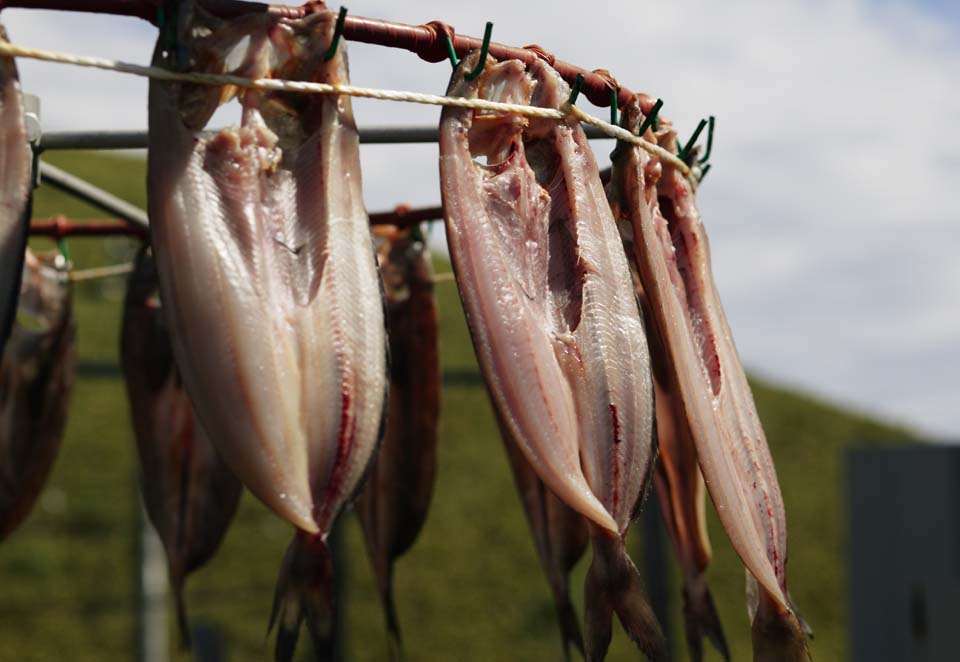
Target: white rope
{"type": "Point", "coordinates": [96, 273]}
{"type": "Point", "coordinates": [275, 85]}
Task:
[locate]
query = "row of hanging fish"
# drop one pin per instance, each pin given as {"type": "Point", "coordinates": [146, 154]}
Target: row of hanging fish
{"type": "Point", "coordinates": [279, 344]}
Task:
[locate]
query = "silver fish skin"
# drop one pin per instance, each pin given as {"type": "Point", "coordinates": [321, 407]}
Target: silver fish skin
{"type": "Point", "coordinates": [36, 377]}
{"type": "Point", "coordinates": [189, 493]}
{"type": "Point", "coordinates": [395, 500]}
{"type": "Point", "coordinates": [16, 185]}
{"type": "Point", "coordinates": [269, 281]}
{"type": "Point", "coordinates": [555, 320]}
{"type": "Point", "coordinates": [560, 535]}
{"type": "Point", "coordinates": [672, 253]}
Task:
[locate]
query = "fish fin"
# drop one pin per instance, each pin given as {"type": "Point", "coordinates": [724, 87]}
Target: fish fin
{"type": "Point", "coordinates": [701, 619]}
{"type": "Point", "coordinates": [613, 585]}
{"type": "Point", "coordinates": [777, 634]}
{"type": "Point", "coordinates": [807, 630]}
{"type": "Point", "coordinates": [305, 593]}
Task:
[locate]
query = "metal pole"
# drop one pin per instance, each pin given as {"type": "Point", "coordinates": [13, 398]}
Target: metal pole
{"type": "Point", "coordinates": [377, 135]}
{"type": "Point", "coordinates": [655, 567]}
{"type": "Point", "coordinates": [95, 195]}
{"type": "Point", "coordinates": [153, 643]}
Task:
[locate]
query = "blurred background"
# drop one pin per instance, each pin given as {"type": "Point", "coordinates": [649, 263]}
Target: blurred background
{"type": "Point", "coordinates": [831, 208]}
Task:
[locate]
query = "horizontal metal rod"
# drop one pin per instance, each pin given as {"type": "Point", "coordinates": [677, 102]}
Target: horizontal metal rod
{"type": "Point", "coordinates": [60, 226]}
{"type": "Point", "coordinates": [427, 41]}
{"type": "Point", "coordinates": [380, 135]}
{"type": "Point", "coordinates": [96, 196]}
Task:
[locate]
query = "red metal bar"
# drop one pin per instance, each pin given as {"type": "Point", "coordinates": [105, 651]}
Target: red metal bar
{"type": "Point", "coordinates": [427, 41]}
{"type": "Point", "coordinates": [60, 226]}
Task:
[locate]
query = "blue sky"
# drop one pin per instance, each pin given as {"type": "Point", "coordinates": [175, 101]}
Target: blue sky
{"type": "Point", "coordinates": [833, 205]}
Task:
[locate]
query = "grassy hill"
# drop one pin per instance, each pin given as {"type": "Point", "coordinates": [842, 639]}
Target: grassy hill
{"type": "Point", "coordinates": [470, 589]}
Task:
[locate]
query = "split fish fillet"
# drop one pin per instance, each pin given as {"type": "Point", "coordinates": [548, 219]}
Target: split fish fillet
{"type": "Point", "coordinates": [677, 479]}
{"type": "Point", "coordinates": [36, 376]}
{"type": "Point", "coordinates": [560, 535]}
{"type": "Point", "coordinates": [269, 281]}
{"type": "Point", "coordinates": [554, 317]}
{"type": "Point", "coordinates": [672, 255]}
{"type": "Point", "coordinates": [16, 166]}
{"type": "Point", "coordinates": [189, 493]}
{"type": "Point", "coordinates": [394, 503]}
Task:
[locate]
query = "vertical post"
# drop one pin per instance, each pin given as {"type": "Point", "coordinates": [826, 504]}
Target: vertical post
{"type": "Point", "coordinates": [153, 643]}
{"type": "Point", "coordinates": [655, 566]}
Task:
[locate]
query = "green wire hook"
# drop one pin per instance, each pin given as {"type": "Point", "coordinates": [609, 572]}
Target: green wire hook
{"type": "Point", "coordinates": [337, 31]}
{"type": "Point", "coordinates": [575, 92]}
{"type": "Point", "coordinates": [451, 51]}
{"type": "Point", "coordinates": [706, 155]}
{"type": "Point", "coordinates": [685, 150]}
{"type": "Point", "coordinates": [614, 109]}
{"type": "Point", "coordinates": [484, 49]}
{"type": "Point", "coordinates": [703, 173]}
{"type": "Point", "coordinates": [651, 118]}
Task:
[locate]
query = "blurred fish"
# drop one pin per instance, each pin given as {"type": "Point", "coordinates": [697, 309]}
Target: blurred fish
{"type": "Point", "coordinates": [555, 320]}
{"type": "Point", "coordinates": [36, 375]}
{"type": "Point", "coordinates": [394, 503]}
{"type": "Point", "coordinates": [16, 167]}
{"type": "Point", "coordinates": [189, 493]}
{"type": "Point", "coordinates": [679, 484]}
{"type": "Point", "coordinates": [269, 281]}
{"type": "Point", "coordinates": [560, 535]}
{"type": "Point", "coordinates": [673, 257]}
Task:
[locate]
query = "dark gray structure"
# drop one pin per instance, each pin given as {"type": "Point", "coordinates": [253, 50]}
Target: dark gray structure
{"type": "Point", "coordinates": [903, 508]}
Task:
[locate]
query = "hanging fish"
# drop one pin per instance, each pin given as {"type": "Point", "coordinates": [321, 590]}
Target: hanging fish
{"type": "Point", "coordinates": [677, 479]}
{"type": "Point", "coordinates": [673, 257]}
{"type": "Point", "coordinates": [36, 375]}
{"type": "Point", "coordinates": [189, 493]}
{"type": "Point", "coordinates": [394, 503]}
{"type": "Point", "coordinates": [269, 281]}
{"type": "Point", "coordinates": [560, 535]}
{"type": "Point", "coordinates": [16, 184]}
{"type": "Point", "coordinates": [554, 317]}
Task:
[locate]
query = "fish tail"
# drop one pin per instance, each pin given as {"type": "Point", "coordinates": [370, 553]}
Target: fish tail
{"type": "Point", "coordinates": [777, 634]}
{"type": "Point", "coordinates": [394, 640]}
{"type": "Point", "coordinates": [701, 619]}
{"type": "Point", "coordinates": [305, 592]}
{"type": "Point", "coordinates": [613, 585]}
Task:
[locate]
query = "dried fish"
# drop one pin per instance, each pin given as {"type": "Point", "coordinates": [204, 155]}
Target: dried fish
{"type": "Point", "coordinates": [16, 167]}
{"type": "Point", "coordinates": [555, 320]}
{"type": "Point", "coordinates": [269, 281]}
{"type": "Point", "coordinates": [189, 493]}
{"type": "Point", "coordinates": [673, 257]}
{"type": "Point", "coordinates": [394, 503]}
{"type": "Point", "coordinates": [36, 376]}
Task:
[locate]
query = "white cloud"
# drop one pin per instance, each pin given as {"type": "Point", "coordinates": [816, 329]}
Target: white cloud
{"type": "Point", "coordinates": [833, 203]}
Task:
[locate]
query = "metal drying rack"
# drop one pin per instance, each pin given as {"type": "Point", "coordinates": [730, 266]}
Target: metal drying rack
{"type": "Point", "coordinates": [434, 42]}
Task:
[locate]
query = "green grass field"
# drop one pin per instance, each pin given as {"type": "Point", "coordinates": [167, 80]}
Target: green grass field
{"type": "Point", "coordinates": [470, 589]}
